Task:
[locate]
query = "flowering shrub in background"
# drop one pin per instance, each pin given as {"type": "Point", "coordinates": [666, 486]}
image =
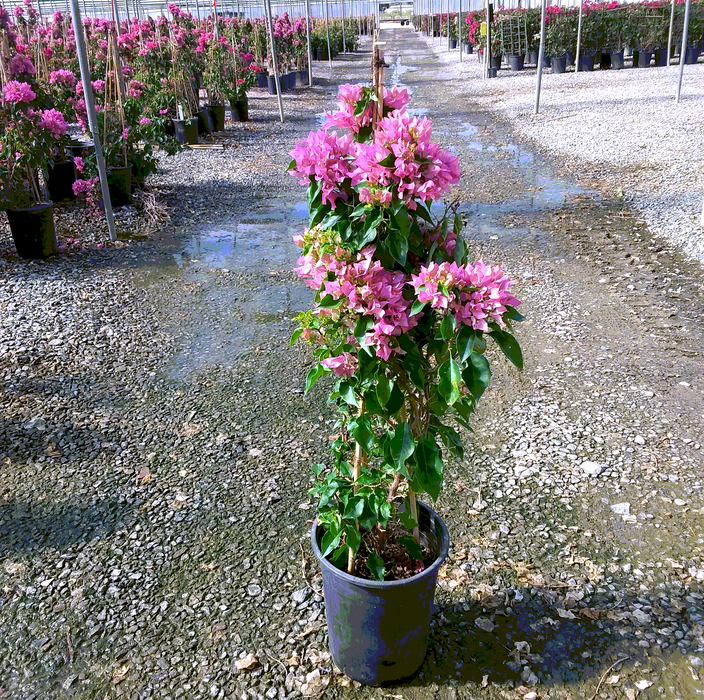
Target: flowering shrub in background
{"type": "Point", "coordinates": [400, 318]}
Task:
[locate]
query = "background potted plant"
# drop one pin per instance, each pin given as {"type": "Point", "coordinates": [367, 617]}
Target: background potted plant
{"type": "Point", "coordinates": [401, 320]}
{"type": "Point", "coordinates": [560, 39]}
{"type": "Point", "coordinates": [31, 136]}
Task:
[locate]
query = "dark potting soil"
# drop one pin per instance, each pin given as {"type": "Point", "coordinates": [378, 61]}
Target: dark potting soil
{"type": "Point", "coordinates": [399, 564]}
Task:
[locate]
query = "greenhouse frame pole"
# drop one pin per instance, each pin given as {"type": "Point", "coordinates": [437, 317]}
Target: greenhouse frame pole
{"type": "Point", "coordinates": [459, 30]}
{"type": "Point", "coordinates": [92, 117]}
{"type": "Point", "coordinates": [310, 50]}
{"type": "Point", "coordinates": [270, 27]}
{"type": "Point", "coordinates": [579, 37]}
{"type": "Point", "coordinates": [448, 25]}
{"type": "Point", "coordinates": [327, 30]}
{"type": "Point", "coordinates": [541, 55]}
{"type": "Point", "coordinates": [344, 37]}
{"type": "Point", "coordinates": [683, 51]}
{"type": "Point", "coordinates": [669, 35]}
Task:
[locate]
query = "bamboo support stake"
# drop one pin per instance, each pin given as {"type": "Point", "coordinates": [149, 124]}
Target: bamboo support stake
{"type": "Point", "coordinates": [414, 514]}
{"type": "Point", "coordinates": [579, 36]}
{"type": "Point", "coordinates": [669, 34]}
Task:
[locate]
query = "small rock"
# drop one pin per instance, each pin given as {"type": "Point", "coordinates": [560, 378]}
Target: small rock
{"type": "Point", "coordinates": [621, 508]}
{"type": "Point", "coordinates": [696, 661]}
{"type": "Point", "coordinates": [484, 623]}
{"type": "Point", "coordinates": [642, 618]}
{"type": "Point", "coordinates": [592, 468]}
{"type": "Point", "coordinates": [253, 589]}
{"type": "Point", "coordinates": [300, 595]}
{"type": "Point", "coordinates": [37, 423]}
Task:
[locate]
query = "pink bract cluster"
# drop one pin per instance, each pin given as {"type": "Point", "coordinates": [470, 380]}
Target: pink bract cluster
{"type": "Point", "coordinates": [367, 289]}
{"type": "Point", "coordinates": [348, 97]}
{"type": "Point", "coordinates": [54, 121]}
{"type": "Point", "coordinates": [17, 92]}
{"type": "Point", "coordinates": [475, 294]}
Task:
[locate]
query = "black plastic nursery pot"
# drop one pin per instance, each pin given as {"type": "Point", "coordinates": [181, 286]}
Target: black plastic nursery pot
{"type": "Point", "coordinates": [691, 55]}
{"type": "Point", "coordinates": [617, 60]}
{"type": "Point", "coordinates": [605, 60]}
{"type": "Point", "coordinates": [644, 58]}
{"type": "Point", "coordinates": [304, 77]}
{"type": "Point", "coordinates": [271, 84]}
{"type": "Point", "coordinates": [496, 62]}
{"type": "Point", "coordinates": [240, 110]}
{"type": "Point", "coordinates": [217, 116]}
{"type": "Point", "coordinates": [33, 231]}
{"type": "Point", "coordinates": [205, 126]}
{"type": "Point", "coordinates": [559, 64]}
{"type": "Point", "coordinates": [467, 47]}
{"type": "Point", "coordinates": [186, 130]}
{"type": "Point", "coordinates": [378, 630]}
{"type": "Point", "coordinates": [515, 62]}
{"type": "Point", "coordinates": [586, 63]}
{"type": "Point", "coordinates": [661, 58]}
{"type": "Point", "coordinates": [120, 186]}
{"type": "Point", "coordinates": [453, 43]}
{"type": "Point", "coordinates": [60, 179]}
{"type": "Point", "coordinates": [261, 79]}
{"type": "Point", "coordinates": [532, 57]}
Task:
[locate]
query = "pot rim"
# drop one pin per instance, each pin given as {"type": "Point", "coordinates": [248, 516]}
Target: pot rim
{"type": "Point", "coordinates": [35, 207]}
{"type": "Point", "coordinates": [373, 584]}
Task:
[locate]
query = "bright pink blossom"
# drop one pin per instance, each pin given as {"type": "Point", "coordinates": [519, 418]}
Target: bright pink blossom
{"type": "Point", "coordinates": [343, 365]}
{"type": "Point", "coordinates": [17, 92]}
{"type": "Point", "coordinates": [54, 121]}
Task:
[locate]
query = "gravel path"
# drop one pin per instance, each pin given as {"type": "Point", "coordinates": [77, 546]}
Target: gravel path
{"type": "Point", "coordinates": [155, 444]}
{"type": "Point", "coordinates": [619, 131]}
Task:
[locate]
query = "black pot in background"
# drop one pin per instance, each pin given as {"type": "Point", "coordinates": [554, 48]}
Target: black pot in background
{"type": "Point", "coordinates": [570, 58]}
{"type": "Point", "coordinates": [661, 58]}
{"type": "Point", "coordinates": [586, 63]}
{"type": "Point", "coordinates": [120, 186]}
{"type": "Point", "coordinates": [532, 57]}
{"type": "Point", "coordinates": [240, 110]}
{"type": "Point", "coordinates": [605, 60]}
{"type": "Point", "coordinates": [378, 630]}
{"type": "Point", "coordinates": [643, 60]}
{"type": "Point", "coordinates": [304, 78]}
{"type": "Point", "coordinates": [33, 231]}
{"type": "Point", "coordinates": [453, 43]}
{"type": "Point", "coordinates": [466, 47]}
{"type": "Point", "coordinates": [261, 79]}
{"type": "Point", "coordinates": [318, 55]}
{"type": "Point", "coordinates": [692, 55]}
{"type": "Point", "coordinates": [205, 126]}
{"type": "Point", "coordinates": [186, 130]}
{"type": "Point", "coordinates": [81, 149]}
{"type": "Point", "coordinates": [547, 61]}
{"type": "Point", "coordinates": [169, 128]}
{"type": "Point", "coordinates": [559, 64]}
{"type": "Point", "coordinates": [217, 116]}
{"type": "Point", "coordinates": [617, 60]}
{"type": "Point", "coordinates": [271, 83]}
{"type": "Point", "coordinates": [60, 179]}
{"type": "Point", "coordinates": [496, 62]}
{"type": "Point", "coordinates": [515, 62]}
{"type": "Point", "coordinates": [492, 72]}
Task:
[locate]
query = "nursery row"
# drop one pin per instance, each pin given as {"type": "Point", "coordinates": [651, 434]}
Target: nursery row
{"type": "Point", "coordinates": [607, 28]}
{"type": "Point", "coordinates": [155, 83]}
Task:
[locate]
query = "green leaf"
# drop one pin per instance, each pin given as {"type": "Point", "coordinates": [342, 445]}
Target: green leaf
{"type": "Point", "coordinates": [428, 462]}
{"type": "Point", "coordinates": [384, 387]}
{"type": "Point", "coordinates": [411, 361]}
{"type": "Point", "coordinates": [375, 564]}
{"type": "Point", "coordinates": [397, 245]}
{"type": "Point", "coordinates": [513, 315]}
{"type": "Point", "coordinates": [296, 335]}
{"type": "Point", "coordinates": [359, 211]}
{"type": "Point", "coordinates": [331, 219]}
{"type": "Point", "coordinates": [417, 307]}
{"type": "Point", "coordinates": [352, 538]}
{"type": "Point", "coordinates": [348, 394]}
{"type": "Point", "coordinates": [449, 379]}
{"type": "Point", "coordinates": [389, 161]}
{"type": "Point", "coordinates": [361, 429]}
{"type": "Point", "coordinates": [355, 508]}
{"type": "Point", "coordinates": [402, 446]}
{"type": "Point", "coordinates": [451, 439]}
{"type": "Point", "coordinates": [396, 400]}
{"type": "Point", "coordinates": [339, 558]}
{"type": "Point", "coordinates": [510, 347]}
{"type": "Point", "coordinates": [407, 520]}
{"type": "Point", "coordinates": [477, 374]}
{"type": "Point", "coordinates": [464, 342]}
{"type": "Point", "coordinates": [447, 326]}
{"type": "Point", "coordinates": [330, 542]}
{"type": "Point", "coordinates": [292, 164]}
{"type": "Point", "coordinates": [460, 250]}
{"type": "Point", "coordinates": [413, 547]}
{"type": "Point", "coordinates": [317, 469]}
{"type": "Point", "coordinates": [328, 302]}
{"type": "Point", "coordinates": [313, 375]}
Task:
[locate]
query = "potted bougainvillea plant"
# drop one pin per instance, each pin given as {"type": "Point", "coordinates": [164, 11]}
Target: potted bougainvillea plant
{"type": "Point", "coordinates": [401, 320]}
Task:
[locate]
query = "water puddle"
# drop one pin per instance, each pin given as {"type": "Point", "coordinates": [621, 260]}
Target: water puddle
{"type": "Point", "coordinates": [245, 292]}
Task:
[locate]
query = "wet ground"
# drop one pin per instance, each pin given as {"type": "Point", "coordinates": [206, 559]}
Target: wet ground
{"type": "Point", "coordinates": [154, 533]}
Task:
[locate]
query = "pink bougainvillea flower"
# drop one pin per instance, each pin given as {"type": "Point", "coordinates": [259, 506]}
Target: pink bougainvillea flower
{"type": "Point", "coordinates": [54, 121]}
{"type": "Point", "coordinates": [16, 92]}
{"type": "Point", "coordinates": [343, 365]}
{"type": "Point", "coordinates": [63, 76]}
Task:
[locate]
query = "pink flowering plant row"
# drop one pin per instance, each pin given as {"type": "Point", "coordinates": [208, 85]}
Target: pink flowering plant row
{"type": "Point", "coordinates": [400, 319]}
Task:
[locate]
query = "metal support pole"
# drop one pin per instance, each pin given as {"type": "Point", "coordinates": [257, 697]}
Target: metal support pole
{"type": "Point", "coordinates": [459, 30]}
{"type": "Point", "coordinates": [683, 51]}
{"type": "Point", "coordinates": [327, 30]}
{"type": "Point", "coordinates": [488, 40]}
{"type": "Point", "coordinates": [92, 117]}
{"type": "Point", "coordinates": [541, 56]}
{"type": "Point", "coordinates": [669, 35]}
{"type": "Point", "coordinates": [344, 35]}
{"type": "Point", "coordinates": [310, 50]}
{"type": "Point", "coordinates": [274, 60]}
{"type": "Point", "coordinates": [579, 36]}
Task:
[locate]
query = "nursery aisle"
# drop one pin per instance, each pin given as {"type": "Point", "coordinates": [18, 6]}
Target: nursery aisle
{"type": "Point", "coordinates": [157, 445]}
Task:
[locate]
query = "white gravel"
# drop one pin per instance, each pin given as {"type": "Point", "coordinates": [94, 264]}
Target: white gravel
{"type": "Point", "coordinates": [621, 130]}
